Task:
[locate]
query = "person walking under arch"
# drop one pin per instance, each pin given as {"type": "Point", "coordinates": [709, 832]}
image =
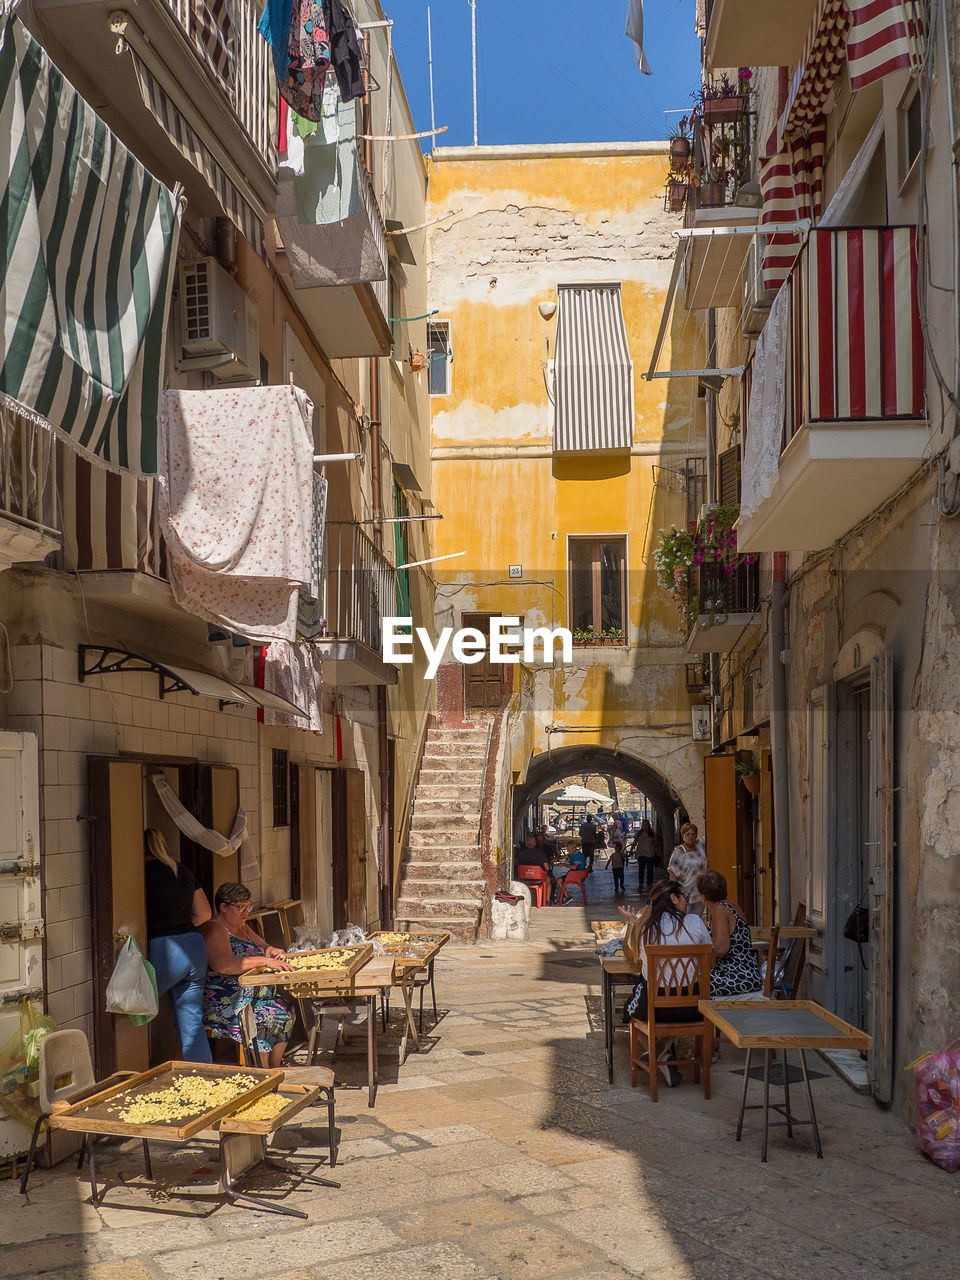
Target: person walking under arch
{"type": "Point", "coordinates": [588, 840]}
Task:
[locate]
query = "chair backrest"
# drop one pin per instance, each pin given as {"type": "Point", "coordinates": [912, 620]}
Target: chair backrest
{"type": "Point", "coordinates": [675, 970]}
{"type": "Point", "coordinates": [792, 965]}
{"type": "Point", "coordinates": [531, 873]}
{"type": "Point", "coordinates": [65, 1066]}
{"type": "Point", "coordinates": [576, 876]}
{"type": "Point", "coordinates": [770, 973]}
{"type": "Point", "coordinates": [248, 1032]}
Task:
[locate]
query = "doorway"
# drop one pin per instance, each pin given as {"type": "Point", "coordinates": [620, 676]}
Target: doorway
{"type": "Point", "coordinates": [349, 848]}
{"type": "Point", "coordinates": [484, 682]}
{"type": "Point", "coordinates": [851, 862]}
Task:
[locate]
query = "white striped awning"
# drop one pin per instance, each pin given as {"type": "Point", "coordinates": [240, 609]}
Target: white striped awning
{"type": "Point", "coordinates": [593, 372]}
{"type": "Point", "coordinates": [85, 267]}
{"type": "Point", "coordinates": [193, 149]}
{"type": "Point", "coordinates": [884, 37]}
{"type": "Point", "coordinates": [110, 520]}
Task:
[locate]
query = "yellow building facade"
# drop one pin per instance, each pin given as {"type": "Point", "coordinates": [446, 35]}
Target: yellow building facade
{"type": "Point", "coordinates": [559, 537]}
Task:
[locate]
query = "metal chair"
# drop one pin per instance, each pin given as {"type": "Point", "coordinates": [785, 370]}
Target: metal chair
{"type": "Point", "coordinates": [312, 1075]}
{"type": "Point", "coordinates": [678, 978]}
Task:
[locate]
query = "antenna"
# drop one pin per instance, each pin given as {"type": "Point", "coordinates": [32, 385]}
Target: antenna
{"type": "Point", "coordinates": [473, 32]}
{"type": "Point", "coordinates": [433, 118]}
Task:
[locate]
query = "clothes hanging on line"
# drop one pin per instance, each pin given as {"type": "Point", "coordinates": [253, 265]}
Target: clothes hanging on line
{"type": "Point", "coordinates": [309, 60]}
{"type": "Point", "coordinates": [345, 51]}
{"type": "Point", "coordinates": [274, 26]}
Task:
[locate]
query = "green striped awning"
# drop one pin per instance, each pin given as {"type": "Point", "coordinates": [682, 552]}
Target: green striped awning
{"type": "Point", "coordinates": [87, 247]}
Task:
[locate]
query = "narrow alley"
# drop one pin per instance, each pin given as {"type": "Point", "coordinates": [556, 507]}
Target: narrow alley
{"type": "Point", "coordinates": [501, 1153]}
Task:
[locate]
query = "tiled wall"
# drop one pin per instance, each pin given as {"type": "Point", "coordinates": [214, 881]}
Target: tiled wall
{"type": "Point", "coordinates": [105, 716]}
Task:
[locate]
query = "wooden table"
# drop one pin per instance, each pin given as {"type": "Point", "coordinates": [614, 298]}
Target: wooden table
{"type": "Point", "coordinates": [616, 972]}
{"type": "Point", "coordinates": [98, 1111]}
{"type": "Point", "coordinates": [773, 1025]}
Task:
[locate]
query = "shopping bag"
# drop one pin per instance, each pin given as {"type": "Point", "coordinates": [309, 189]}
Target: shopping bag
{"type": "Point", "coordinates": [937, 1080]}
{"type": "Point", "coordinates": [20, 1065]}
{"type": "Point", "coordinates": [132, 988]}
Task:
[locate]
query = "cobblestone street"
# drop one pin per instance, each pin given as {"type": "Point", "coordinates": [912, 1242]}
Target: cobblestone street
{"type": "Point", "coordinates": [501, 1152]}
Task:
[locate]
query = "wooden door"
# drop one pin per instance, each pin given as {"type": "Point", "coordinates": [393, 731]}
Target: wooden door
{"type": "Point", "coordinates": [723, 820]}
{"type": "Point", "coordinates": [303, 838]}
{"type": "Point", "coordinates": [340, 856]}
{"type": "Point", "coordinates": [483, 682]}
{"type": "Point", "coordinates": [357, 848]}
{"type": "Point", "coordinates": [323, 913]}
{"type": "Point", "coordinates": [881, 882]}
{"type": "Point", "coordinates": [118, 903]}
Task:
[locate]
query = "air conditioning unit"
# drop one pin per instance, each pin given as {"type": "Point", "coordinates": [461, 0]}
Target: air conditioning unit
{"type": "Point", "coordinates": [756, 298]}
{"type": "Point", "coordinates": [218, 326]}
{"type": "Point", "coordinates": [701, 721]}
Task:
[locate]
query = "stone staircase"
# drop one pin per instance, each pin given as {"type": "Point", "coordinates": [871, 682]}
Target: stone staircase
{"type": "Point", "coordinates": [442, 884]}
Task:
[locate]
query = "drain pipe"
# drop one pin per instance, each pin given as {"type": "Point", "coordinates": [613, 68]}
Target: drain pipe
{"type": "Point", "coordinates": [780, 599]}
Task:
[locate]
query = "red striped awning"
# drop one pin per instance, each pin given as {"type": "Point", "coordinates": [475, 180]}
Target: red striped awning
{"type": "Point", "coordinates": [819, 66]}
{"type": "Point", "coordinates": [791, 180]}
{"type": "Point", "coordinates": [884, 37]}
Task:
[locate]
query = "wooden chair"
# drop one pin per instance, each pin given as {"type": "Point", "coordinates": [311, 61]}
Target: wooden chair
{"type": "Point", "coordinates": [793, 960]}
{"type": "Point", "coordinates": [677, 978]}
{"type": "Point", "coordinates": [537, 881]}
{"type": "Point", "coordinates": [574, 878]}
{"type": "Point", "coordinates": [770, 967]}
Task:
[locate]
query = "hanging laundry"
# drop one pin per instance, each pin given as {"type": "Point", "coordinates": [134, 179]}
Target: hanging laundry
{"type": "Point", "coordinates": [294, 672]}
{"type": "Point", "coordinates": [311, 623]}
{"type": "Point", "coordinates": [344, 49]}
{"type": "Point", "coordinates": [290, 154]}
{"type": "Point", "coordinates": [635, 32]}
{"type": "Point", "coordinates": [238, 552]}
{"type": "Point", "coordinates": [309, 60]}
{"type": "Point", "coordinates": [275, 25]}
{"type": "Point", "coordinates": [330, 111]}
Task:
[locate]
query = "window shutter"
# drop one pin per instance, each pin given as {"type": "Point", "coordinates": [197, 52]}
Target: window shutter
{"type": "Point", "coordinates": [728, 477]}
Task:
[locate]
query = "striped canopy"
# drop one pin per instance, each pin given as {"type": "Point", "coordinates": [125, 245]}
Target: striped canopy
{"type": "Point", "coordinates": [89, 244]}
{"type": "Point", "coordinates": [593, 372]}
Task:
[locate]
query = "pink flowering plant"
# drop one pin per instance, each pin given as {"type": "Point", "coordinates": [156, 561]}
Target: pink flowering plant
{"type": "Point", "coordinates": [714, 543]}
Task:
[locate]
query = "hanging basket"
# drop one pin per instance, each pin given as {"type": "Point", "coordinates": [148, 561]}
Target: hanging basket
{"type": "Point", "coordinates": [676, 196]}
{"type": "Point", "coordinates": [723, 110]}
{"type": "Point", "coordinates": [752, 782]}
{"type": "Point", "coordinates": [418, 362]}
{"type": "Point", "coordinates": [679, 148]}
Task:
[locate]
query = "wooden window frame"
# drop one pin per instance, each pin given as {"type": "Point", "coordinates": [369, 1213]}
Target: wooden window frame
{"type": "Point", "coordinates": [439, 327]}
{"type": "Point", "coordinates": [596, 606]}
{"type": "Point", "coordinates": [280, 779]}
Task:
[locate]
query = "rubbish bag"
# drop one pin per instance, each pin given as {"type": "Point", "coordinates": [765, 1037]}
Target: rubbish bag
{"type": "Point", "coordinates": [937, 1080]}
{"type": "Point", "coordinates": [132, 988]}
{"type": "Point", "coordinates": [20, 1065]}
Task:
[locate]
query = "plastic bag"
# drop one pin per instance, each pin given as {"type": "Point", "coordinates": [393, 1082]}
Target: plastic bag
{"type": "Point", "coordinates": [132, 988]}
{"type": "Point", "coordinates": [307, 937]}
{"type": "Point", "coordinates": [20, 1065]}
{"type": "Point", "coordinates": [937, 1080]}
{"type": "Point", "coordinates": [349, 936]}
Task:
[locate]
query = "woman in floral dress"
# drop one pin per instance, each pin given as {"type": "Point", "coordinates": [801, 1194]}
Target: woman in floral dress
{"type": "Point", "coordinates": [232, 949]}
{"type": "Point", "coordinates": [736, 966]}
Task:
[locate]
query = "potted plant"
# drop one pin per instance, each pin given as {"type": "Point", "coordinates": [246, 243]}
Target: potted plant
{"type": "Point", "coordinates": [724, 101]}
{"type": "Point", "coordinates": [676, 193]}
{"type": "Point", "coordinates": [679, 139]}
{"type": "Point", "coordinates": [713, 188]}
{"type": "Point", "coordinates": [748, 775]}
{"type": "Point", "coordinates": [712, 544]}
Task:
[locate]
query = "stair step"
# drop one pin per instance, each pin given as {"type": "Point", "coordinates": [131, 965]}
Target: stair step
{"type": "Point", "coordinates": [451, 823]}
{"type": "Point", "coordinates": [443, 853]}
{"type": "Point", "coordinates": [431, 838]}
{"type": "Point", "coordinates": [432, 868]}
{"type": "Point", "coordinates": [430, 908]}
{"type": "Point", "coordinates": [438, 890]}
{"type": "Point", "coordinates": [458, 735]}
{"type": "Point", "coordinates": [449, 773]}
{"type": "Point", "coordinates": [462, 750]}
{"type": "Point", "coordinates": [460, 928]}
{"type": "Point", "coordinates": [447, 791]}
{"type": "Point", "coordinates": [433, 807]}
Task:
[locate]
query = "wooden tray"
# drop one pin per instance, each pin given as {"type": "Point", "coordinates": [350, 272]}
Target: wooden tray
{"type": "Point", "coordinates": [431, 942]}
{"type": "Point", "coordinates": [299, 1097]}
{"type": "Point", "coordinates": [606, 930]}
{"type": "Point", "coordinates": [100, 1111]}
{"type": "Point", "coordinates": [354, 958]}
{"type": "Point", "coordinates": [782, 1024]}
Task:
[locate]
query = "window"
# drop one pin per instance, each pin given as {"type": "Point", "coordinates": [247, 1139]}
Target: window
{"type": "Point", "coordinates": [394, 311]}
{"type": "Point", "coordinates": [401, 544]}
{"type": "Point", "coordinates": [440, 356]}
{"type": "Point", "coordinates": [695, 473]}
{"type": "Point", "coordinates": [910, 130]}
{"type": "Point", "coordinates": [281, 788]}
{"type": "Point", "coordinates": [597, 587]}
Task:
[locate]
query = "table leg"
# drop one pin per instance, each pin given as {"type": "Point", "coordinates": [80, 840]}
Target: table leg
{"type": "Point", "coordinates": [147, 1162]}
{"type": "Point", "coordinates": [241, 1197]}
{"type": "Point", "coordinates": [607, 988]}
{"type": "Point", "coordinates": [407, 991]}
{"type": "Point", "coordinates": [743, 1094]}
{"type": "Point", "coordinates": [92, 1166]}
{"type": "Point", "coordinates": [813, 1114]}
{"type": "Point", "coordinates": [786, 1096]}
{"type": "Point", "coordinates": [767, 1055]}
{"type": "Point", "coordinates": [371, 1050]}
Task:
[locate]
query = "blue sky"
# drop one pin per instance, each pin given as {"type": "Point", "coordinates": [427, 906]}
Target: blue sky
{"type": "Point", "coordinates": [547, 70]}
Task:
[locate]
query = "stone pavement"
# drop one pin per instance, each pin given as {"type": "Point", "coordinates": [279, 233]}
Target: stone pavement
{"type": "Point", "coordinates": [501, 1153]}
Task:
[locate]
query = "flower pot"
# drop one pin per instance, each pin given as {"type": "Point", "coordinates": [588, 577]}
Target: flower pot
{"type": "Point", "coordinates": [679, 148]}
{"type": "Point", "coordinates": [418, 361]}
{"type": "Point", "coordinates": [723, 110]}
{"type": "Point", "coordinates": [676, 196]}
{"type": "Point", "coordinates": [713, 195]}
{"type": "Point", "coordinates": [752, 782]}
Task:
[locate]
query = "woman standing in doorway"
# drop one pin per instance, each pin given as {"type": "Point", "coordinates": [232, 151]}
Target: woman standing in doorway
{"type": "Point", "coordinates": [688, 859]}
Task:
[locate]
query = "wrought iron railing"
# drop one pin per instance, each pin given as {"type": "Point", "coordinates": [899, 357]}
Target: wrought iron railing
{"type": "Point", "coordinates": [360, 588]}
{"type": "Point", "coordinates": [28, 473]}
{"type": "Point", "coordinates": [720, 588]}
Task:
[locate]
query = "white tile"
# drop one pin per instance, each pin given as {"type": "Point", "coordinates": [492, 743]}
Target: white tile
{"type": "Point", "coordinates": [60, 664]}
{"type": "Point", "coordinates": [25, 697]}
{"type": "Point", "coordinates": [71, 768]}
{"type": "Point", "coordinates": [56, 733]}
{"type": "Point", "coordinates": [81, 736]}
{"type": "Point", "coordinates": [159, 718]}
{"type": "Point", "coordinates": [61, 1005]}
{"type": "Point", "coordinates": [26, 662]}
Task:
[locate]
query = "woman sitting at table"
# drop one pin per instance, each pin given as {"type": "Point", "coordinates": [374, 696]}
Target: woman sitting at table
{"type": "Point", "coordinates": [664, 922]}
{"type": "Point", "coordinates": [232, 949]}
{"type": "Point", "coordinates": [736, 966]}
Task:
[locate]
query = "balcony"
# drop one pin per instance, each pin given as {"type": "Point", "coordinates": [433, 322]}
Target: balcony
{"type": "Point", "coordinates": [29, 512]}
{"type": "Point", "coordinates": [854, 427]}
{"type": "Point", "coordinates": [726, 600]}
{"type": "Point", "coordinates": [188, 92]}
{"type": "Point", "coordinates": [361, 589]}
{"type": "Point", "coordinates": [756, 33]}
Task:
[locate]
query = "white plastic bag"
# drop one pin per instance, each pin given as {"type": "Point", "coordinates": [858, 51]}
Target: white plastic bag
{"type": "Point", "coordinates": [132, 988]}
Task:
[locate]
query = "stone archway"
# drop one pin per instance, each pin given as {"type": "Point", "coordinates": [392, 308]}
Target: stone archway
{"type": "Point", "coordinates": [546, 769]}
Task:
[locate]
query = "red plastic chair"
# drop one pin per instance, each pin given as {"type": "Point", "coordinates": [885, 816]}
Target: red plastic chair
{"type": "Point", "coordinates": [537, 881]}
{"type": "Point", "coordinates": [573, 878]}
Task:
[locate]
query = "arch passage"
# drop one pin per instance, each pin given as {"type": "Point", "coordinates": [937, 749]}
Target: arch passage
{"type": "Point", "coordinates": [550, 767]}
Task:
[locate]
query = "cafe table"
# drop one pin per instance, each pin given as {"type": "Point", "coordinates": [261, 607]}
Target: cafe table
{"type": "Point", "coordinates": [615, 972]}
{"type": "Point", "coordinates": [776, 1026]}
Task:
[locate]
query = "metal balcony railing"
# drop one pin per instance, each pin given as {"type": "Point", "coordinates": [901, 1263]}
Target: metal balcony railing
{"type": "Point", "coordinates": [361, 586]}
{"type": "Point", "coordinates": [226, 41]}
{"type": "Point", "coordinates": [722, 588]}
{"type": "Point", "coordinates": [28, 474]}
